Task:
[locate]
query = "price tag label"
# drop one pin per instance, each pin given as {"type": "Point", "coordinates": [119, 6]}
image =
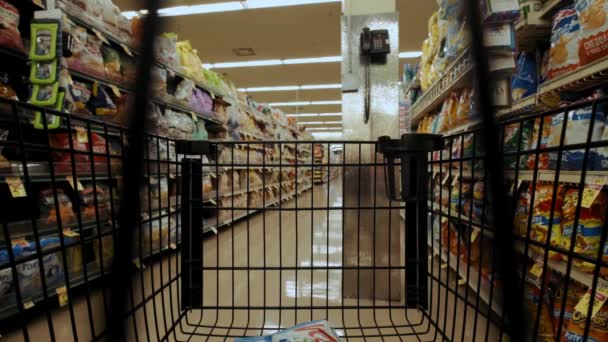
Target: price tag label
{"type": "Point", "coordinates": [172, 245]}
{"type": "Point", "coordinates": [444, 266]}
{"type": "Point", "coordinates": [81, 135]}
{"type": "Point", "coordinates": [127, 50]}
{"type": "Point", "coordinates": [212, 201]}
{"type": "Point", "coordinates": [601, 294]}
{"type": "Point", "coordinates": [535, 275]}
{"type": "Point", "coordinates": [70, 233]}
{"type": "Point", "coordinates": [461, 282]}
{"type": "Point", "coordinates": [455, 181]}
{"type": "Point", "coordinates": [593, 187]}
{"type": "Point", "coordinates": [194, 117]}
{"type": "Point", "coordinates": [100, 36]}
{"type": "Point", "coordinates": [28, 305]}
{"type": "Point", "coordinates": [474, 234]}
{"type": "Point", "coordinates": [16, 187]}
{"type": "Point", "coordinates": [62, 296]}
{"type": "Point", "coordinates": [75, 185]}
{"type": "Point", "coordinates": [138, 264]}
{"type": "Point", "coordinates": [39, 3]}
{"type": "Point", "coordinates": [115, 90]}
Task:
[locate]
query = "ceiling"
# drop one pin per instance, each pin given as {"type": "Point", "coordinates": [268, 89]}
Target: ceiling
{"type": "Point", "coordinates": [282, 33]}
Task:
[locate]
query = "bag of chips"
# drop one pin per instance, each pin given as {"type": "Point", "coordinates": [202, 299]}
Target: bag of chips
{"type": "Point", "coordinates": [541, 216]}
{"type": "Point", "coordinates": [523, 83]}
{"type": "Point", "coordinates": [594, 29]}
{"type": "Point", "coordinates": [598, 329]}
{"type": "Point", "coordinates": [590, 224]}
{"type": "Point", "coordinates": [9, 23]}
{"type": "Point", "coordinates": [47, 207]}
{"type": "Point", "coordinates": [564, 52]}
{"type": "Point", "coordinates": [544, 142]}
{"type": "Point", "coordinates": [522, 211]}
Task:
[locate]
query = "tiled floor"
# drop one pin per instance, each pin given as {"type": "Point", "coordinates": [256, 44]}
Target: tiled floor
{"type": "Point", "coordinates": [255, 284]}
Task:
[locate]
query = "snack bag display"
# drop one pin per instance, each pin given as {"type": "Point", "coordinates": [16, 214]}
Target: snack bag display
{"type": "Point", "coordinates": [86, 52]}
{"type": "Point", "coordinates": [111, 61]}
{"type": "Point", "coordinates": [600, 161]}
{"type": "Point", "coordinates": [598, 331]}
{"type": "Point", "coordinates": [9, 22]}
{"type": "Point", "coordinates": [522, 211]}
{"type": "Point", "coordinates": [591, 221]}
{"type": "Point", "coordinates": [544, 142]}
{"type": "Point", "coordinates": [541, 216]}
{"type": "Point", "coordinates": [189, 60]}
{"type": "Point", "coordinates": [88, 205]}
{"type": "Point", "coordinates": [48, 209]}
{"type": "Point", "coordinates": [575, 292]}
{"type": "Point", "coordinates": [200, 101]}
{"type": "Point", "coordinates": [166, 49]}
{"type": "Point", "coordinates": [533, 302]}
{"type": "Point", "coordinates": [594, 29]}
{"type": "Point", "coordinates": [576, 133]}
{"type": "Point", "coordinates": [81, 95]}
{"type": "Point", "coordinates": [6, 90]}
{"type": "Point", "coordinates": [523, 83]}
{"type": "Point", "coordinates": [478, 198]}
{"type": "Point", "coordinates": [563, 55]}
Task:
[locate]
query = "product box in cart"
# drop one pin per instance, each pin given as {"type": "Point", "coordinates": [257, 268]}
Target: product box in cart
{"type": "Point", "coordinates": [315, 331]}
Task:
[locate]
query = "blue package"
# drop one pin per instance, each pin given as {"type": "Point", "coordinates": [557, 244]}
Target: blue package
{"type": "Point", "coordinates": [524, 82]}
{"type": "Point", "coordinates": [309, 331]}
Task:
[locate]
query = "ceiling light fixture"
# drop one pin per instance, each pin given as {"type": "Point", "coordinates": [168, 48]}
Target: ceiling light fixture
{"type": "Point", "coordinates": [291, 88]}
{"type": "Point", "coordinates": [292, 61]}
{"type": "Point", "coordinates": [303, 115]}
{"type": "Point", "coordinates": [333, 129]}
{"type": "Point", "coordinates": [320, 123]}
{"type": "Point", "coordinates": [229, 7]}
{"type": "Point", "coordinates": [305, 103]}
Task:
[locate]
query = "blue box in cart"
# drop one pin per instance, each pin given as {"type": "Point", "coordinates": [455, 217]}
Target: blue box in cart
{"type": "Point", "coordinates": [314, 331]}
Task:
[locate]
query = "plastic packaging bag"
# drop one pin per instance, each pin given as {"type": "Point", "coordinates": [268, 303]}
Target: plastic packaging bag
{"type": "Point", "coordinates": [310, 331]}
{"type": "Point", "coordinates": [564, 52]}
{"type": "Point", "coordinates": [541, 219]}
{"type": "Point", "coordinates": [594, 29]}
{"type": "Point", "coordinates": [111, 61]}
{"type": "Point", "coordinates": [9, 23]}
{"type": "Point", "coordinates": [166, 50]}
{"type": "Point", "coordinates": [200, 101]}
{"type": "Point", "coordinates": [86, 54]}
{"type": "Point", "coordinates": [523, 83]}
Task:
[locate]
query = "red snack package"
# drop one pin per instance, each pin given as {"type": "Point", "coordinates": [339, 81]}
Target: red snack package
{"type": "Point", "coordinates": [9, 21]}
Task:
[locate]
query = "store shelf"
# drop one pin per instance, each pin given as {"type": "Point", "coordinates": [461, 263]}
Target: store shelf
{"type": "Point", "coordinates": [93, 273]}
{"type": "Point", "coordinates": [583, 78]}
{"type": "Point", "coordinates": [558, 266]}
{"type": "Point", "coordinates": [457, 75]}
{"type": "Point", "coordinates": [214, 226]}
{"type": "Point", "coordinates": [469, 126]}
{"type": "Point", "coordinates": [525, 105]}
{"type": "Point", "coordinates": [473, 275]}
{"type": "Point", "coordinates": [549, 175]}
{"type": "Point", "coordinates": [551, 6]}
{"type": "Point", "coordinates": [40, 172]}
{"type": "Point", "coordinates": [461, 218]}
{"type": "Point", "coordinates": [6, 51]}
{"type": "Point", "coordinates": [414, 84]}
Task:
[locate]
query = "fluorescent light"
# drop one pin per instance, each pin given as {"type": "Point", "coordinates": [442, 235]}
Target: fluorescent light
{"type": "Point", "coordinates": [304, 103]}
{"type": "Point", "coordinates": [313, 60]}
{"type": "Point", "coordinates": [310, 60]}
{"type": "Point", "coordinates": [334, 129]}
{"type": "Point", "coordinates": [313, 115]}
{"type": "Point", "coordinates": [321, 86]}
{"type": "Point", "coordinates": [320, 123]}
{"type": "Point", "coordinates": [410, 54]}
{"type": "Point", "coordinates": [232, 6]}
{"type": "Point", "coordinates": [247, 64]}
{"type": "Point", "coordinates": [288, 88]}
{"type": "Point", "coordinates": [254, 4]}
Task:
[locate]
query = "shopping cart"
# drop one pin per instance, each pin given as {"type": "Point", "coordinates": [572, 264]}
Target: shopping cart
{"type": "Point", "coordinates": [417, 238]}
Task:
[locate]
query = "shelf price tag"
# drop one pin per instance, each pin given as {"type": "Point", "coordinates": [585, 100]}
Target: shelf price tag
{"type": "Point", "coordinates": [115, 90]}
{"type": "Point", "coordinates": [28, 305]}
{"type": "Point", "coordinates": [461, 282]}
{"type": "Point", "coordinates": [62, 295]}
{"type": "Point", "coordinates": [593, 187]}
{"type": "Point", "coordinates": [39, 3]}
{"type": "Point", "coordinates": [138, 264]}
{"type": "Point", "coordinates": [16, 187]}
{"type": "Point", "coordinates": [535, 274]}
{"type": "Point", "coordinates": [75, 185]}
{"type": "Point", "coordinates": [100, 36]}
{"type": "Point", "coordinates": [444, 266]}
{"type": "Point", "coordinates": [126, 48]}
{"type": "Point", "coordinates": [172, 245]}
{"type": "Point", "coordinates": [474, 234]}
{"type": "Point", "coordinates": [70, 233]}
{"type": "Point", "coordinates": [81, 135]}
{"type": "Point", "coordinates": [601, 294]}
{"type": "Point", "coordinates": [194, 117]}
{"type": "Point", "coordinates": [447, 176]}
{"type": "Point", "coordinates": [455, 180]}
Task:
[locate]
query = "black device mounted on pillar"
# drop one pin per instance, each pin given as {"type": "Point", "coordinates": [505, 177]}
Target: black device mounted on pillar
{"type": "Point", "coordinates": [411, 153]}
{"type": "Point", "coordinates": [375, 46]}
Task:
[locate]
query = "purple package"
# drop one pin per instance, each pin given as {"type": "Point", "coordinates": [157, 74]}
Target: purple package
{"type": "Point", "coordinates": [499, 10]}
{"type": "Point", "coordinates": [201, 102]}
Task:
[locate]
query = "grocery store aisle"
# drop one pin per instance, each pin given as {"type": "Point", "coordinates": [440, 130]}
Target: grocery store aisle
{"type": "Point", "coordinates": [267, 240]}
